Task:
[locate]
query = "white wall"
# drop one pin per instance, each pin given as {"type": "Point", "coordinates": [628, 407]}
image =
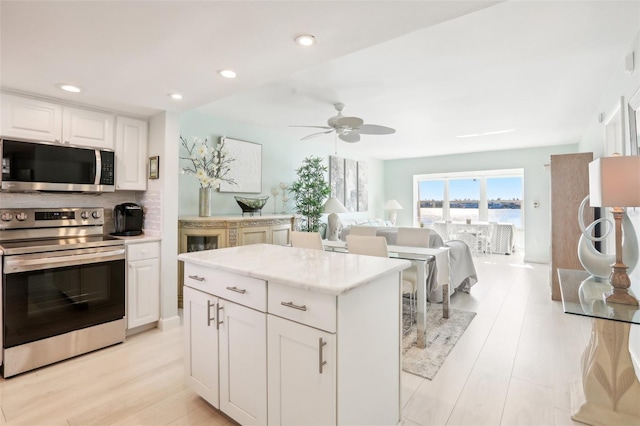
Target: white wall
{"type": "Point", "coordinates": [281, 155]}
{"type": "Point", "coordinates": [399, 185]}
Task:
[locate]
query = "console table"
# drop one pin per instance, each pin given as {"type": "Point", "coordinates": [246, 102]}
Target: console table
{"type": "Point", "coordinates": [196, 233]}
{"type": "Point", "coordinates": [610, 393]}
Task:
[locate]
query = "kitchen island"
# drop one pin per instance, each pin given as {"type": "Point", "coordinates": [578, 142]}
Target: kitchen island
{"type": "Point", "coordinates": [283, 335]}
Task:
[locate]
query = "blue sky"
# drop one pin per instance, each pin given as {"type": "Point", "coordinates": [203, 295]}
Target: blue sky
{"type": "Point", "coordinates": [504, 188]}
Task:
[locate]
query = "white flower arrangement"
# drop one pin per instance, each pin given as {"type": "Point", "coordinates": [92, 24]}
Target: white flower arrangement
{"type": "Point", "coordinates": [209, 164]}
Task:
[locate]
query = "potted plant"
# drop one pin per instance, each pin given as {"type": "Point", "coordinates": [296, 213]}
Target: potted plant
{"type": "Point", "coordinates": [310, 191]}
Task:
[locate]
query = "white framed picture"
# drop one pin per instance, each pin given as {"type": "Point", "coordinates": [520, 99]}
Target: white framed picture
{"type": "Point", "coordinates": [246, 168]}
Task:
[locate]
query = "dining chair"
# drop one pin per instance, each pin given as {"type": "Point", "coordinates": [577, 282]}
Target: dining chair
{"type": "Point", "coordinates": [312, 240]}
{"type": "Point", "coordinates": [485, 234]}
{"type": "Point", "coordinates": [377, 246]}
{"type": "Point", "coordinates": [413, 237]}
{"type": "Point", "coordinates": [369, 231]}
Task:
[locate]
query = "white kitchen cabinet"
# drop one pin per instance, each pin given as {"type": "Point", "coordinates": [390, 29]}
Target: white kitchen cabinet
{"type": "Point", "coordinates": [131, 154]}
{"type": "Point", "coordinates": [87, 128]}
{"type": "Point", "coordinates": [302, 362]}
{"type": "Point", "coordinates": [143, 283]}
{"type": "Point", "coordinates": [31, 119]}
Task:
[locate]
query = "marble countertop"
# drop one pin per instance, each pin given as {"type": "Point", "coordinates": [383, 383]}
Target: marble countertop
{"type": "Point", "coordinates": [144, 238]}
{"type": "Point", "coordinates": [234, 218]}
{"type": "Point", "coordinates": [314, 270]}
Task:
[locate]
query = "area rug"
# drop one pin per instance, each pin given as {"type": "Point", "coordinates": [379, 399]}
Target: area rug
{"type": "Point", "coordinates": [442, 335]}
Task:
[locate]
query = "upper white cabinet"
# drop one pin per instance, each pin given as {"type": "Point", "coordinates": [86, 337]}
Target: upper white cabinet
{"type": "Point", "coordinates": [87, 128]}
{"type": "Point", "coordinates": [131, 154]}
{"type": "Point", "coordinates": [31, 119]}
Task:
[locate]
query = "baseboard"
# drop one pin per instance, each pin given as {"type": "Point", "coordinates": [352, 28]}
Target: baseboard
{"type": "Point", "coordinates": [165, 324]}
{"type": "Point", "coordinates": [536, 260]}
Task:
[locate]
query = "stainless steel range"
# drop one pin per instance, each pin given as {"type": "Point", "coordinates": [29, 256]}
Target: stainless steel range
{"type": "Point", "coordinates": [63, 286]}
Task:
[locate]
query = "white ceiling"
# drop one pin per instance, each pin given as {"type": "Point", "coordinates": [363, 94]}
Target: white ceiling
{"type": "Point", "coordinates": [430, 69]}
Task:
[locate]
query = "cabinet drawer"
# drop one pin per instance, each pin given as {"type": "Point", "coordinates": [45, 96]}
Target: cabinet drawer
{"type": "Point", "coordinates": [303, 306]}
{"type": "Point", "coordinates": [143, 251]}
{"type": "Point", "coordinates": [241, 289]}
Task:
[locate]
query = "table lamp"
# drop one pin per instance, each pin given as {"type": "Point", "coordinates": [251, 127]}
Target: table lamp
{"type": "Point", "coordinates": [394, 206]}
{"type": "Point", "coordinates": [333, 206]}
{"type": "Point", "coordinates": [615, 182]}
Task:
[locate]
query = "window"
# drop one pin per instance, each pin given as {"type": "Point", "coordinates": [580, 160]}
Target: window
{"type": "Point", "coordinates": [488, 196]}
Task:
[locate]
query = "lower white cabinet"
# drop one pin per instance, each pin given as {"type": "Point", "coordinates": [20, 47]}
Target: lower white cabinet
{"type": "Point", "coordinates": [143, 283]}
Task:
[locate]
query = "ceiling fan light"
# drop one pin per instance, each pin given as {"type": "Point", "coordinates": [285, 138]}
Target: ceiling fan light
{"type": "Point", "coordinates": [305, 40]}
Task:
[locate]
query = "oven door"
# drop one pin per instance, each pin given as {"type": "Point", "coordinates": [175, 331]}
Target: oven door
{"type": "Point", "coordinates": [47, 294]}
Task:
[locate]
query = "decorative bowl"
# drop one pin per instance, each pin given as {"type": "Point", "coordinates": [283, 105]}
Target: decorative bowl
{"type": "Point", "coordinates": [251, 205]}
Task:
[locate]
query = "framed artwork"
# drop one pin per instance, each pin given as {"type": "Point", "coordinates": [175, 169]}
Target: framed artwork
{"type": "Point", "coordinates": [154, 167]}
{"type": "Point", "coordinates": [246, 168]}
{"type": "Point", "coordinates": [336, 177]}
{"type": "Point", "coordinates": [634, 122]}
{"type": "Point", "coordinates": [363, 187]}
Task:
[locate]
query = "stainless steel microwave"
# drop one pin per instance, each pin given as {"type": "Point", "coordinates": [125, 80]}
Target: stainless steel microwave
{"type": "Point", "coordinates": [42, 166]}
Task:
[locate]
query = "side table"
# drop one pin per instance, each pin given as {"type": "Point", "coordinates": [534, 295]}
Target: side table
{"type": "Point", "coordinates": [610, 387]}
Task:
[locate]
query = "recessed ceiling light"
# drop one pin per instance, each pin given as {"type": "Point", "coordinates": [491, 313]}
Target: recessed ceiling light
{"type": "Point", "coordinates": [305, 40]}
{"type": "Point", "coordinates": [228, 73]}
{"type": "Point", "coordinates": [175, 96]}
{"type": "Point", "coordinates": [495, 132]}
{"type": "Point", "coordinates": [70, 88]}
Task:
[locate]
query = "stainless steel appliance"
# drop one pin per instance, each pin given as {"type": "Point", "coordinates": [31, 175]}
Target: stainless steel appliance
{"type": "Point", "coordinates": [128, 218]}
{"type": "Point", "coordinates": [43, 166]}
{"type": "Point", "coordinates": [63, 286]}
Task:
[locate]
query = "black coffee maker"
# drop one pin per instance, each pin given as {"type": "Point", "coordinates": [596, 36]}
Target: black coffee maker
{"type": "Point", "coordinates": [128, 218]}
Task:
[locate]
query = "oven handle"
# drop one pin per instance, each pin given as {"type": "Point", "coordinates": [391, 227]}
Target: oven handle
{"type": "Point", "coordinates": [14, 264]}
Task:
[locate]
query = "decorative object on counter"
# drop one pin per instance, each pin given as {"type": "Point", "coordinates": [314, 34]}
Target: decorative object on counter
{"type": "Point", "coordinates": [251, 205]}
{"type": "Point", "coordinates": [154, 167]}
{"type": "Point", "coordinates": [615, 182]}
{"type": "Point", "coordinates": [310, 191]}
{"type": "Point", "coordinates": [393, 206]}
{"type": "Point", "coordinates": [285, 197]}
{"type": "Point", "coordinates": [246, 171]}
{"type": "Point", "coordinates": [211, 167]}
{"type": "Point", "coordinates": [333, 206]}
{"type": "Point", "coordinates": [275, 193]}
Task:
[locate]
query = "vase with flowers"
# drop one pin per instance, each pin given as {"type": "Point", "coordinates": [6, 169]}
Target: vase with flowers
{"type": "Point", "coordinates": [211, 165]}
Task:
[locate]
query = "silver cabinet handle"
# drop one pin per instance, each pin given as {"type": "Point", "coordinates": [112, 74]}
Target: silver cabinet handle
{"type": "Point", "coordinates": [218, 309]}
{"type": "Point", "coordinates": [197, 278]}
{"type": "Point", "coordinates": [209, 319]}
{"type": "Point", "coordinates": [291, 305]}
{"type": "Point", "coordinates": [237, 290]}
{"type": "Point", "coordinates": [321, 363]}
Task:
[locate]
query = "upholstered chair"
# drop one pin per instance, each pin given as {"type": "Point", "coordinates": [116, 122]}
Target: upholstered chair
{"type": "Point", "coordinates": [312, 240]}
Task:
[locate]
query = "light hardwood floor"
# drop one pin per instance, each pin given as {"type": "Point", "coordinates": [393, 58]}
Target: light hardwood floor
{"type": "Point", "coordinates": [513, 366]}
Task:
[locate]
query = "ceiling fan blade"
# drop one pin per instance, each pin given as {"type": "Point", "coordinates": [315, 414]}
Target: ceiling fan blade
{"type": "Point", "coordinates": [350, 137]}
{"type": "Point", "coordinates": [351, 122]}
{"type": "Point", "coordinates": [314, 135]}
{"type": "Point", "coordinates": [314, 127]}
{"type": "Point", "coordinates": [374, 129]}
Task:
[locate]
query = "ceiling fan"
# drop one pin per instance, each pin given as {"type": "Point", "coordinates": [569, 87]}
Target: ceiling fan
{"type": "Point", "coordinates": [348, 129]}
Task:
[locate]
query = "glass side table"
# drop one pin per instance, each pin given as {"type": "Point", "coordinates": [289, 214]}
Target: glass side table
{"type": "Point", "coordinates": [610, 387]}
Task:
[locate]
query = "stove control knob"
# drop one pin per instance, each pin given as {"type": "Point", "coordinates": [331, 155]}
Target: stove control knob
{"type": "Point", "coordinates": [6, 217]}
{"type": "Point", "coordinates": [96, 214]}
{"type": "Point", "coordinates": [21, 216]}
{"type": "Point", "coordinates": [84, 215]}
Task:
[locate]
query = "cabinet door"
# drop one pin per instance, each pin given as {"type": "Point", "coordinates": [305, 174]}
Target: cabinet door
{"type": "Point", "coordinates": [87, 128]}
{"type": "Point", "coordinates": [131, 154]}
{"type": "Point", "coordinates": [143, 300]}
{"type": "Point", "coordinates": [31, 119]}
{"type": "Point", "coordinates": [201, 344]}
{"type": "Point", "coordinates": [254, 235]}
{"type": "Point", "coordinates": [301, 391]}
{"type": "Point", "coordinates": [280, 234]}
{"type": "Point", "coordinates": [243, 363]}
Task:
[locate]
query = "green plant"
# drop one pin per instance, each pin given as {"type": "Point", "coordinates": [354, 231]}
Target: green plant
{"type": "Point", "coordinates": [310, 192]}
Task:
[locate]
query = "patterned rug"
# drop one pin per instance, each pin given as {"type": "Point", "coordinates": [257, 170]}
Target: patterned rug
{"type": "Point", "coordinates": [442, 335]}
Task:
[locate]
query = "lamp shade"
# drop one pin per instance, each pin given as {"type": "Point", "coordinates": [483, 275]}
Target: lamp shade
{"type": "Point", "coordinates": [333, 205]}
{"type": "Point", "coordinates": [392, 205]}
{"type": "Point", "coordinates": [615, 182]}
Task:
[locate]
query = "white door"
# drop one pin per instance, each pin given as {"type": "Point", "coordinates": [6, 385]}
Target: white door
{"type": "Point", "coordinates": [31, 119]}
{"type": "Point", "coordinates": [243, 363]}
{"type": "Point", "coordinates": [301, 390]}
{"type": "Point", "coordinates": [201, 344]}
{"type": "Point", "coordinates": [131, 154]}
{"type": "Point", "coordinates": [88, 128]}
{"type": "Point", "coordinates": [143, 282]}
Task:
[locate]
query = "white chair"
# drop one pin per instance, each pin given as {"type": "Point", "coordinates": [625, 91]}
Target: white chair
{"type": "Point", "coordinates": [312, 240]}
{"type": "Point", "coordinates": [377, 246]}
{"type": "Point", "coordinates": [369, 231]}
{"type": "Point", "coordinates": [484, 236]}
{"type": "Point", "coordinates": [441, 229]}
{"type": "Point", "coordinates": [413, 237]}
